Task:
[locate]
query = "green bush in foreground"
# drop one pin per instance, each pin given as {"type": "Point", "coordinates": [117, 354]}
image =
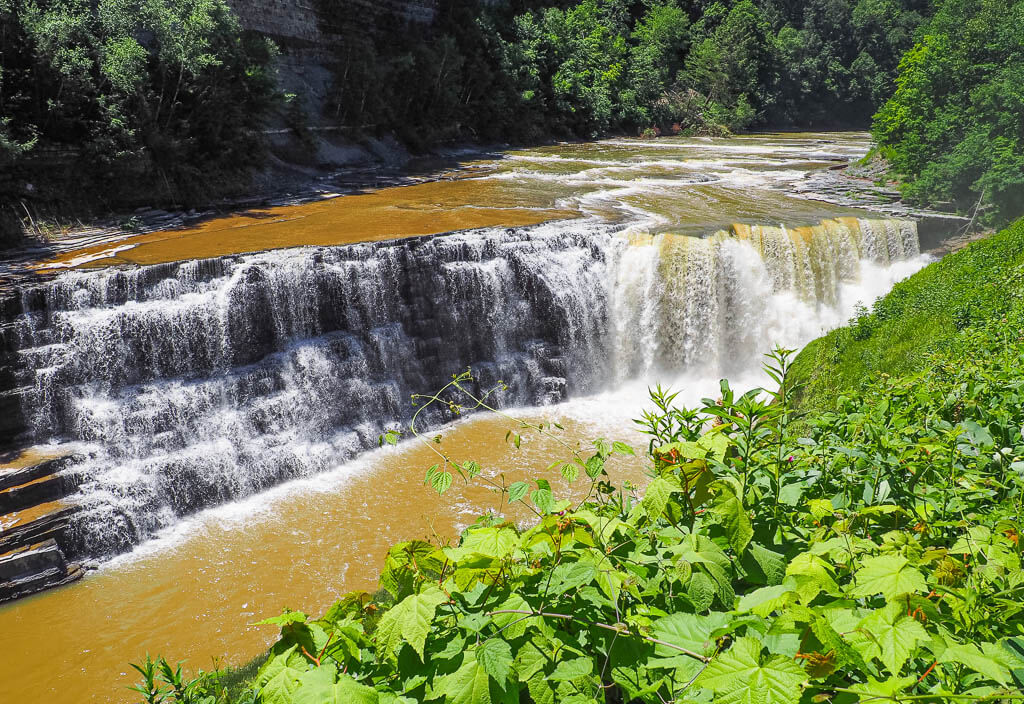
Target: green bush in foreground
{"type": "Point", "coordinates": [866, 554]}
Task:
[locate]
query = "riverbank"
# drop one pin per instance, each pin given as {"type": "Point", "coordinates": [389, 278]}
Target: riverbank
{"type": "Point", "coordinates": [923, 316]}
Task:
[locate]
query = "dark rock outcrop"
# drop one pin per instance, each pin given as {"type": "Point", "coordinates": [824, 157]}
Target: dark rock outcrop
{"type": "Point", "coordinates": [33, 569]}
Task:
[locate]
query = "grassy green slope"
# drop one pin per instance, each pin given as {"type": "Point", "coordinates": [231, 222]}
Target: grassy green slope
{"type": "Point", "coordinates": [924, 314]}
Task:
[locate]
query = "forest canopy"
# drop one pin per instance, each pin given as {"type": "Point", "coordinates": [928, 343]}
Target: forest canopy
{"type": "Point", "coordinates": [159, 97]}
{"type": "Point", "coordinates": [169, 89]}
{"type": "Point", "coordinates": [523, 70]}
{"type": "Point", "coordinates": [954, 128]}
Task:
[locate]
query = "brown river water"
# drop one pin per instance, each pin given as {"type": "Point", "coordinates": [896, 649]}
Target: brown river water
{"type": "Point", "coordinates": [194, 591]}
{"type": "Point", "coordinates": [684, 186]}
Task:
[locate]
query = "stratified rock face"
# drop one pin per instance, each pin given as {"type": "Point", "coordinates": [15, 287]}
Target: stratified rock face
{"type": "Point", "coordinates": [30, 570]}
{"type": "Point", "coordinates": [280, 19]}
{"type": "Point", "coordinates": [192, 384]}
{"type": "Point", "coordinates": [203, 381]}
{"type": "Point", "coordinates": [300, 22]}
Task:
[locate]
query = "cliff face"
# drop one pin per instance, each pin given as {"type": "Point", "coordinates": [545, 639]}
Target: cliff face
{"type": "Point", "coordinates": [300, 25]}
{"type": "Point", "coordinates": [308, 34]}
{"type": "Point", "coordinates": [289, 23]}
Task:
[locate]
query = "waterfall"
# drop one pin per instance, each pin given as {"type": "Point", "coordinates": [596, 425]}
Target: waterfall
{"type": "Point", "coordinates": [190, 384]}
{"type": "Point", "coordinates": [715, 305]}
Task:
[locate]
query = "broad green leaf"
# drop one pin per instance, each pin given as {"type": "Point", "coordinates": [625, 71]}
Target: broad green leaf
{"type": "Point", "coordinates": [318, 687]}
{"type": "Point", "coordinates": [812, 576]}
{"type": "Point", "coordinates": [279, 678]}
{"type": "Point", "coordinates": [603, 527]}
{"type": "Point", "coordinates": [286, 618]}
{"type": "Point", "coordinates": [701, 591]}
{"type": "Point", "coordinates": [512, 625]}
{"type": "Point", "coordinates": [741, 676]}
{"type": "Point", "coordinates": [389, 698]}
{"type": "Point", "coordinates": [728, 509]}
{"type": "Point", "coordinates": [572, 669]}
{"type": "Point", "coordinates": [627, 663]}
{"type": "Point", "coordinates": [622, 448]}
{"type": "Point", "coordinates": [608, 579]}
{"type": "Point", "coordinates": [701, 549]}
{"type": "Point", "coordinates": [543, 499]}
{"type": "Point", "coordinates": [570, 471]}
{"type": "Point", "coordinates": [659, 493]}
{"type": "Point", "coordinates": [492, 542]}
{"type": "Point", "coordinates": [404, 561]}
{"type": "Point", "coordinates": [771, 563]}
{"type": "Point", "coordinates": [880, 690]}
{"type": "Point", "coordinates": [441, 481]}
{"type": "Point", "coordinates": [830, 639]}
{"type": "Point", "coordinates": [517, 490]}
{"type": "Point", "coordinates": [820, 508]}
{"type": "Point", "coordinates": [495, 656]}
{"type": "Point", "coordinates": [888, 575]}
{"type": "Point", "coordinates": [694, 632]}
{"type": "Point", "coordinates": [972, 656]}
{"type": "Point", "coordinates": [530, 660]}
{"type": "Point", "coordinates": [541, 690]}
{"type": "Point", "coordinates": [408, 621]}
{"type": "Point", "coordinates": [594, 466]}
{"type": "Point", "coordinates": [684, 570]}
{"type": "Point", "coordinates": [1013, 658]}
{"type": "Point", "coordinates": [471, 684]}
{"type": "Point", "coordinates": [569, 576]}
{"type": "Point", "coordinates": [716, 443]}
{"type": "Point", "coordinates": [765, 600]}
{"type": "Point", "coordinates": [891, 636]}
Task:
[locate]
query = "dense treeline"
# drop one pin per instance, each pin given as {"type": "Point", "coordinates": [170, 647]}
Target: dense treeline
{"type": "Point", "coordinates": [954, 128]}
{"type": "Point", "coordinates": [534, 68]}
{"type": "Point", "coordinates": [132, 101]}
{"type": "Point", "coordinates": [122, 94]}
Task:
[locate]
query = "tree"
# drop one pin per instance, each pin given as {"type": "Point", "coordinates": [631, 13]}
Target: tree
{"type": "Point", "coordinates": [955, 125]}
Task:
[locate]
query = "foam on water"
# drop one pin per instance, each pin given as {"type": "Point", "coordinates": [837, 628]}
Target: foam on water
{"type": "Point", "coordinates": [201, 383]}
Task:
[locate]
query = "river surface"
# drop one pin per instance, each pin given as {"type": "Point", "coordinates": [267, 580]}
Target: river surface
{"type": "Point", "coordinates": [189, 386]}
{"type": "Point", "coordinates": [685, 186]}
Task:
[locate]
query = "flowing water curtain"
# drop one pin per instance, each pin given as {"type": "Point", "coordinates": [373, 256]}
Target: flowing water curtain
{"type": "Point", "coordinates": [710, 305]}
{"type": "Point", "coordinates": [196, 383]}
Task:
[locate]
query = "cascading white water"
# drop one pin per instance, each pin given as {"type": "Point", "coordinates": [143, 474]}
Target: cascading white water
{"type": "Point", "coordinates": [713, 306]}
{"type": "Point", "coordinates": [196, 383]}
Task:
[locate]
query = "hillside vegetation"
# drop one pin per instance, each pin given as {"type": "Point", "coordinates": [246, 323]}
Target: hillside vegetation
{"type": "Point", "coordinates": [954, 129]}
{"type": "Point", "coordinates": [867, 552]}
{"type": "Point", "coordinates": [112, 102]}
{"type": "Point", "coordinates": [127, 100]}
{"type": "Point", "coordinates": [529, 69]}
{"type": "Point", "coordinates": [928, 313]}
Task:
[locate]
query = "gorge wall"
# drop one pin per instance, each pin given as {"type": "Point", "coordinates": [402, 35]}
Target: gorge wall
{"type": "Point", "coordinates": [309, 41]}
{"type": "Point", "coordinates": [299, 24]}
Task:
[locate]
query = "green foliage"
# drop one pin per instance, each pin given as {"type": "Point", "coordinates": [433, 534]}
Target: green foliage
{"type": "Point", "coordinates": [955, 125]}
{"type": "Point", "coordinates": [171, 92]}
{"type": "Point", "coordinates": [163, 683]}
{"type": "Point", "coordinates": [929, 312]}
{"type": "Point", "coordinates": [869, 552]}
{"type": "Point", "coordinates": [529, 69]}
